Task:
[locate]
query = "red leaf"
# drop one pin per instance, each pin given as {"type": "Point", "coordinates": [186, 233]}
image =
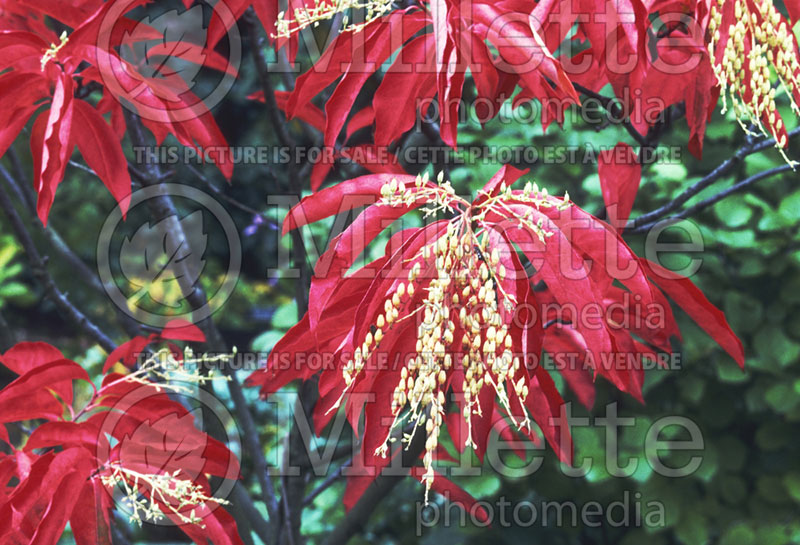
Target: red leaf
{"type": "Point", "coordinates": [90, 517]}
{"type": "Point", "coordinates": [56, 146]}
{"type": "Point", "coordinates": [506, 175]}
{"type": "Point", "coordinates": [400, 94]}
{"type": "Point", "coordinates": [545, 405]}
{"type": "Point", "coordinates": [519, 45]}
{"type": "Point", "coordinates": [127, 352]}
{"type": "Point", "coordinates": [38, 508]}
{"type": "Point", "coordinates": [339, 54]}
{"type": "Point", "coordinates": [344, 250]}
{"type": "Point", "coordinates": [196, 127]}
{"type": "Point", "coordinates": [360, 120]}
{"type": "Point", "coordinates": [340, 198]}
{"type": "Point", "coordinates": [30, 396]}
{"type": "Point", "coordinates": [561, 340]}
{"type": "Point", "coordinates": [793, 6]}
{"type": "Point", "coordinates": [189, 52]}
{"type": "Point", "coordinates": [26, 356]}
{"type": "Point", "coordinates": [617, 32]}
{"type": "Point", "coordinates": [311, 114]}
{"type": "Point", "coordinates": [378, 48]}
{"type": "Point", "coordinates": [620, 176]}
{"type": "Point", "coordinates": [67, 434]}
{"type": "Point", "coordinates": [182, 330]}
{"type": "Point", "coordinates": [454, 494]}
{"type": "Point", "coordinates": [19, 93]}
{"type": "Point", "coordinates": [449, 37]}
{"type": "Point", "coordinates": [681, 290]}
{"type": "Point", "coordinates": [17, 46]}
{"type": "Point", "coordinates": [101, 149]}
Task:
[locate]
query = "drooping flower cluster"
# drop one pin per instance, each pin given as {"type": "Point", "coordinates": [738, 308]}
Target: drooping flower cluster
{"type": "Point", "coordinates": [755, 56]}
{"type": "Point", "coordinates": [146, 493]}
{"type": "Point", "coordinates": [446, 328]}
{"type": "Point", "coordinates": [461, 321]}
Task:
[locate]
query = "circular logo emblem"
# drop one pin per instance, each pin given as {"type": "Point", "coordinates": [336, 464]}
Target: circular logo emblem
{"type": "Point", "coordinates": [152, 270]}
{"type": "Point", "coordinates": [158, 460]}
{"type": "Point", "coordinates": [160, 58]}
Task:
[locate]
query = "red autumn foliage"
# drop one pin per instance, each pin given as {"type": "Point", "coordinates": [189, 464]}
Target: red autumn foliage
{"type": "Point", "coordinates": [128, 433]}
{"type": "Point", "coordinates": [38, 65]}
{"type": "Point", "coordinates": [476, 262]}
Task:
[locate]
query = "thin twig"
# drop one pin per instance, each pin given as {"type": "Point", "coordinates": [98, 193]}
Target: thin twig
{"type": "Point", "coordinates": [163, 207]}
{"type": "Point", "coordinates": [7, 337]}
{"type": "Point", "coordinates": [242, 500]}
{"type": "Point", "coordinates": [25, 195]}
{"type": "Point", "coordinates": [293, 487]}
{"type": "Point", "coordinates": [736, 188]}
{"type": "Point", "coordinates": [645, 221]}
{"type": "Point", "coordinates": [355, 519]}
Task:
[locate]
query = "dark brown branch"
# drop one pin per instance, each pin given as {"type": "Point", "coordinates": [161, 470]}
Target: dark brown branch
{"type": "Point", "coordinates": [293, 486]}
{"type": "Point", "coordinates": [163, 207]}
{"type": "Point", "coordinates": [736, 188]}
{"type": "Point", "coordinates": [7, 337]}
{"type": "Point", "coordinates": [614, 110]}
{"type": "Point", "coordinates": [279, 122]}
{"type": "Point", "coordinates": [250, 439]}
{"type": "Point", "coordinates": [645, 221]}
{"type": "Point", "coordinates": [26, 196]}
{"type": "Point", "coordinates": [242, 500]}
{"type": "Point", "coordinates": [324, 485]}
{"type": "Point", "coordinates": [285, 138]}
{"type": "Point", "coordinates": [39, 269]}
{"type": "Point", "coordinates": [227, 198]}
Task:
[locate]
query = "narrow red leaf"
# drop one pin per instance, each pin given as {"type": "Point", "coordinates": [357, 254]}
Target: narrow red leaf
{"type": "Point", "coordinates": [127, 352]}
{"type": "Point", "coordinates": [340, 198]}
{"type": "Point", "coordinates": [101, 149]}
{"type": "Point", "coordinates": [19, 93]}
{"type": "Point", "coordinates": [56, 146]}
{"type": "Point", "coordinates": [620, 175]}
{"type": "Point", "coordinates": [683, 291]}
{"type": "Point", "coordinates": [90, 517]}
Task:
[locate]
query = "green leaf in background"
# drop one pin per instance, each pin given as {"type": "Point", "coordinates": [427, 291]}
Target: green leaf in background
{"type": "Point", "coordinates": [739, 534]}
{"type": "Point", "coordinates": [772, 344]}
{"type": "Point", "coordinates": [285, 316]}
{"type": "Point", "coordinates": [789, 208]}
{"type": "Point", "coordinates": [733, 211]}
{"type": "Point", "coordinates": [266, 341]}
{"type": "Point", "coordinates": [692, 529]}
{"type": "Point", "coordinates": [782, 397]}
{"type": "Point", "coordinates": [792, 483]}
